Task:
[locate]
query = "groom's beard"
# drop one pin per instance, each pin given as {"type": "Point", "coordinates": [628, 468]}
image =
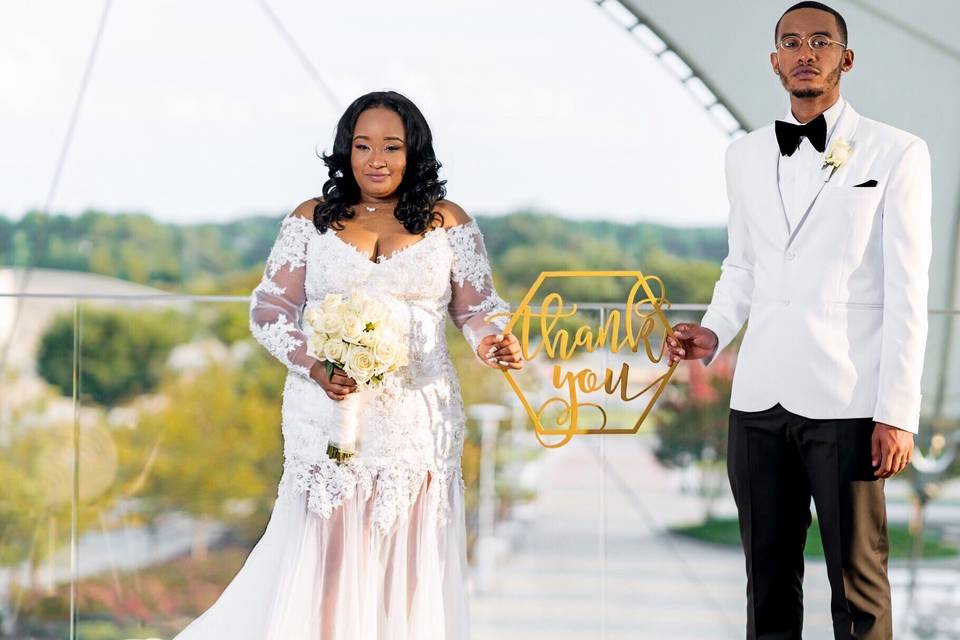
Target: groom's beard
{"type": "Point", "coordinates": [832, 81]}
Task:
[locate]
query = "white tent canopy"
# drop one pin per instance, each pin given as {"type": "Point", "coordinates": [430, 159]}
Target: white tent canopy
{"type": "Point", "coordinates": [906, 73]}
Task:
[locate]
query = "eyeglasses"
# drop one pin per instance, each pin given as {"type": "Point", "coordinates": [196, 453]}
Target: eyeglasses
{"type": "Point", "coordinates": [817, 42]}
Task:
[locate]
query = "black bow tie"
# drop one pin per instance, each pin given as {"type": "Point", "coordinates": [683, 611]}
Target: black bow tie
{"type": "Point", "coordinates": [788, 135]}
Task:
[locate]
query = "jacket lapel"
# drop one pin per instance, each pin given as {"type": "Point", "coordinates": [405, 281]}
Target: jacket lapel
{"type": "Point", "coordinates": [773, 178]}
{"type": "Point", "coordinates": [845, 128]}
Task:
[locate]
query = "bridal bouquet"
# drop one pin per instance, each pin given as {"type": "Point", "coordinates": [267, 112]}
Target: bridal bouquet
{"type": "Point", "coordinates": [359, 336]}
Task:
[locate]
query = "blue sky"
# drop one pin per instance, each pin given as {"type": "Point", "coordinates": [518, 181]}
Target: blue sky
{"type": "Point", "coordinates": [199, 111]}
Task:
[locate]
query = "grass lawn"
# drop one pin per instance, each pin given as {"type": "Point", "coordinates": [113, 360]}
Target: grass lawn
{"type": "Point", "coordinates": [724, 531]}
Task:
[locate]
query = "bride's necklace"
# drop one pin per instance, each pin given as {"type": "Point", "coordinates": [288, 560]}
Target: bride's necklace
{"type": "Point", "coordinates": [374, 208]}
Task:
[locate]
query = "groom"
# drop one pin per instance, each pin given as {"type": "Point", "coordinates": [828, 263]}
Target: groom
{"type": "Point", "coordinates": [829, 246]}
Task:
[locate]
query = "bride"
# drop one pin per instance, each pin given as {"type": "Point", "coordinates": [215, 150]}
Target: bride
{"type": "Point", "coordinates": [369, 546]}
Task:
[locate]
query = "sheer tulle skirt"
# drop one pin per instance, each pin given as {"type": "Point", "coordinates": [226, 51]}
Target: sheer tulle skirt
{"type": "Point", "coordinates": [339, 578]}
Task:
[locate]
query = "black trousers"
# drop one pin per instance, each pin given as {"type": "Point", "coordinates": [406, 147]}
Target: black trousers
{"type": "Point", "coordinates": [777, 461]}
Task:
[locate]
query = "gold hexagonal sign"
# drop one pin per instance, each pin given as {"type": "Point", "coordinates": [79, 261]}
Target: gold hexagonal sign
{"type": "Point", "coordinates": [554, 331]}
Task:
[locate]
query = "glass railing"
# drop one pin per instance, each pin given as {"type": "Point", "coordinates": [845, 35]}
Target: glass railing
{"type": "Point", "coordinates": [140, 452]}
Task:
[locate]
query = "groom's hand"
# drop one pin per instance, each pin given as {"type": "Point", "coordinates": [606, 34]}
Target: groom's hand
{"type": "Point", "coordinates": [690, 342]}
{"type": "Point", "coordinates": [891, 448]}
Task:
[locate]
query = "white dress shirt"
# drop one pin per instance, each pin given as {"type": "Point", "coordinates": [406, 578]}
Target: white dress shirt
{"type": "Point", "coordinates": [799, 175]}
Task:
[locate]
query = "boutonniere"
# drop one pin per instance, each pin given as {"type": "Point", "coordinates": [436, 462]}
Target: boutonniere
{"type": "Point", "coordinates": [837, 155]}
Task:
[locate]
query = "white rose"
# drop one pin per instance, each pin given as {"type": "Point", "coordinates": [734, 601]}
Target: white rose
{"type": "Point", "coordinates": [369, 339]}
{"type": "Point", "coordinates": [386, 354]}
{"type": "Point", "coordinates": [398, 345]}
{"type": "Point", "coordinates": [388, 334]}
{"type": "Point", "coordinates": [360, 364]}
{"type": "Point", "coordinates": [377, 313]}
{"type": "Point", "coordinates": [344, 312]}
{"type": "Point", "coordinates": [317, 342]}
{"type": "Point", "coordinates": [332, 322]}
{"type": "Point", "coordinates": [353, 328]}
{"type": "Point", "coordinates": [374, 315]}
{"type": "Point", "coordinates": [314, 316]}
{"type": "Point", "coordinates": [334, 350]}
{"type": "Point", "coordinates": [839, 152]}
{"type": "Point", "coordinates": [358, 302]}
{"type": "Point", "coordinates": [331, 301]}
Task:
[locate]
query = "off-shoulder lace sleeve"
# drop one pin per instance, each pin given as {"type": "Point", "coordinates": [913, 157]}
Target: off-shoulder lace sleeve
{"type": "Point", "coordinates": [276, 303]}
{"type": "Point", "coordinates": [471, 280]}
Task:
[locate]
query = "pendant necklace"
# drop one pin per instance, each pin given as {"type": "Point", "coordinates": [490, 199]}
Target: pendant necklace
{"type": "Point", "coordinates": [373, 209]}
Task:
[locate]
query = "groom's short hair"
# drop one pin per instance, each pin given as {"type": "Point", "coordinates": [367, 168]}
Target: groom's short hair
{"type": "Point", "coordinates": [841, 23]}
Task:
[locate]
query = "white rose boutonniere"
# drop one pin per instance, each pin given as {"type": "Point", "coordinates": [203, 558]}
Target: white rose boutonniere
{"type": "Point", "coordinates": [837, 155]}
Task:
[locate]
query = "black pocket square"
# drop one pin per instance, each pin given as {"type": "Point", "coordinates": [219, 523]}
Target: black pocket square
{"type": "Point", "coordinates": [868, 183]}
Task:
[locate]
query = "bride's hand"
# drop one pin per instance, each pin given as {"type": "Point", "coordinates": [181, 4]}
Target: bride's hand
{"type": "Point", "coordinates": [338, 386]}
{"type": "Point", "coordinates": [501, 351]}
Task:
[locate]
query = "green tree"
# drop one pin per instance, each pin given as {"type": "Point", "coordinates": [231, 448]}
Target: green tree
{"type": "Point", "coordinates": [122, 352]}
{"type": "Point", "coordinates": [36, 473]}
{"type": "Point", "coordinates": [212, 258]}
{"type": "Point", "coordinates": [212, 449]}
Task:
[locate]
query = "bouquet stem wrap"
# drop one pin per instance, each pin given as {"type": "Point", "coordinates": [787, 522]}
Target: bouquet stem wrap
{"type": "Point", "coordinates": [344, 432]}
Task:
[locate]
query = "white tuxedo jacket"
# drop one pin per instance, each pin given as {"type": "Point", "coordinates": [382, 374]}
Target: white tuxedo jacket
{"type": "Point", "coordinates": [837, 308]}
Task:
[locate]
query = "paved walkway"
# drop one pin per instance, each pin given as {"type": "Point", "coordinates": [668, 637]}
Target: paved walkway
{"type": "Point", "coordinates": [593, 560]}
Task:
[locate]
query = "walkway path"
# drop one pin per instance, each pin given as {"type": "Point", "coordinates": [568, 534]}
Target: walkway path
{"type": "Point", "coordinates": [594, 562]}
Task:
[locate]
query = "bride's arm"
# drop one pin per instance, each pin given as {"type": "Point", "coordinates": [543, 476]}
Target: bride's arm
{"type": "Point", "coordinates": [474, 297]}
{"type": "Point", "coordinates": [276, 303]}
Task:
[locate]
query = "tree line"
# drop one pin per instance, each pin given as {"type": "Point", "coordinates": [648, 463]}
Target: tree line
{"type": "Point", "coordinates": [227, 257]}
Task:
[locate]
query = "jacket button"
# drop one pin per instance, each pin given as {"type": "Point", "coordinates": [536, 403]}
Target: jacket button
{"type": "Point", "coordinates": [791, 255]}
{"type": "Point", "coordinates": [786, 303]}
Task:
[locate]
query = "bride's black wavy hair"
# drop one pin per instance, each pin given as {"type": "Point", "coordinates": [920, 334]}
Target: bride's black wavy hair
{"type": "Point", "coordinates": [420, 188]}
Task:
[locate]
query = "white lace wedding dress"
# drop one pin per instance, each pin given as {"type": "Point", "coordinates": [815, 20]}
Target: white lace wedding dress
{"type": "Point", "coordinates": [374, 548]}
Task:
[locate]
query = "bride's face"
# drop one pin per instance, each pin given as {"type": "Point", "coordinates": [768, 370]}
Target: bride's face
{"type": "Point", "coordinates": [379, 155]}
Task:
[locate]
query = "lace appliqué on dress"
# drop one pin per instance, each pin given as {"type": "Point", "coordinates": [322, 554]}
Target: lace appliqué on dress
{"type": "Point", "coordinates": [276, 302]}
{"type": "Point", "coordinates": [469, 256]}
{"type": "Point", "coordinates": [474, 296]}
{"type": "Point", "coordinates": [279, 338]}
{"type": "Point", "coordinates": [393, 489]}
{"type": "Point", "coordinates": [290, 248]}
